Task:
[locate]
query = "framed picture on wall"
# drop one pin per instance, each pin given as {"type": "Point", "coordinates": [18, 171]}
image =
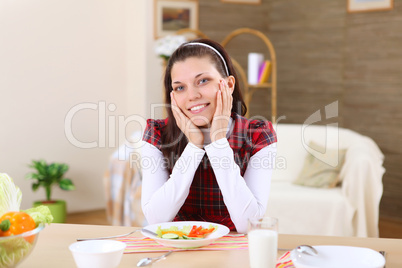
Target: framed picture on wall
{"type": "Point", "coordinates": [250, 2]}
{"type": "Point", "coordinates": [369, 5]}
{"type": "Point", "coordinates": [173, 15]}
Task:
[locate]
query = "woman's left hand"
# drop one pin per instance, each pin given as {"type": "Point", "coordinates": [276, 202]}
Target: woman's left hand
{"type": "Point", "coordinates": [224, 102]}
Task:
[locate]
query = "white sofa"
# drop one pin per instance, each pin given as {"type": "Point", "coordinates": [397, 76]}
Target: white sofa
{"type": "Point", "coordinates": [350, 209]}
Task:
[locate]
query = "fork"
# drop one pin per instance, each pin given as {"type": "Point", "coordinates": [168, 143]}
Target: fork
{"type": "Point", "coordinates": [116, 236]}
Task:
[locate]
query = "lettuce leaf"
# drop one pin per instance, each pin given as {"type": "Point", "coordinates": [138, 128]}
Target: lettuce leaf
{"type": "Point", "coordinates": [10, 195]}
{"type": "Point", "coordinates": [40, 214]}
{"type": "Point", "coordinates": [13, 250]}
{"type": "Point", "coordinates": [187, 229]}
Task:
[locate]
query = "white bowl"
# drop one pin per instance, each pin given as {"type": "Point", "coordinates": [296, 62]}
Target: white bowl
{"type": "Point", "coordinates": [97, 253]}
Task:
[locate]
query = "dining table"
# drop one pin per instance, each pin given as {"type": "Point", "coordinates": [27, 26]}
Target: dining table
{"type": "Point", "coordinates": [52, 248]}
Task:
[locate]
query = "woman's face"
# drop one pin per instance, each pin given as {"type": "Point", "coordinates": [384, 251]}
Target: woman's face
{"type": "Point", "coordinates": [195, 83]}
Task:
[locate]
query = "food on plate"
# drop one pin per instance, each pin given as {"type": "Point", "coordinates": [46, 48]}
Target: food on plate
{"type": "Point", "coordinates": [186, 232]}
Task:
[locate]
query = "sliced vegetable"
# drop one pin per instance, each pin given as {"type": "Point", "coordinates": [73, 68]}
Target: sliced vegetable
{"type": "Point", "coordinates": [170, 236]}
{"type": "Point", "coordinates": [191, 238]}
{"type": "Point", "coordinates": [187, 232]}
{"type": "Point", "coordinates": [200, 231]}
{"type": "Point", "coordinates": [178, 233]}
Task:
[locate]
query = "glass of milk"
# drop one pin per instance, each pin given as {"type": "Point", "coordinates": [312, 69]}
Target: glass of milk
{"type": "Point", "coordinates": [263, 242]}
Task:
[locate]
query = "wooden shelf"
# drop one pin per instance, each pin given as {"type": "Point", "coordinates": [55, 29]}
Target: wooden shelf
{"type": "Point", "coordinates": [263, 85]}
{"type": "Point", "coordinates": [249, 90]}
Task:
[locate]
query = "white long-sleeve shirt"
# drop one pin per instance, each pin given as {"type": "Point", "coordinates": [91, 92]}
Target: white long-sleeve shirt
{"type": "Point", "coordinates": [163, 194]}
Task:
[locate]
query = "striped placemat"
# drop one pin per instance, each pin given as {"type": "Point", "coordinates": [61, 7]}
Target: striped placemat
{"type": "Point", "coordinates": [144, 244]}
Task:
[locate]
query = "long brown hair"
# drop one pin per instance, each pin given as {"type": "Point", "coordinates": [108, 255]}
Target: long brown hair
{"type": "Point", "coordinates": [173, 140]}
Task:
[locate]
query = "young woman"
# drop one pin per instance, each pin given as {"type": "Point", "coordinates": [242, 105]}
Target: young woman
{"type": "Point", "coordinates": [205, 161]}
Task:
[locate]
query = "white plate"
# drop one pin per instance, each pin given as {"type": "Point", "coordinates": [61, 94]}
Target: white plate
{"type": "Point", "coordinates": [339, 256]}
{"type": "Point", "coordinates": [184, 243]}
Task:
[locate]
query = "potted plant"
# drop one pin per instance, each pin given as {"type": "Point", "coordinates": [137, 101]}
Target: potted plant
{"type": "Point", "coordinates": [46, 176]}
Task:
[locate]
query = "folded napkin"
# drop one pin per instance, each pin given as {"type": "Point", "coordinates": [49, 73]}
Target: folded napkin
{"type": "Point", "coordinates": [140, 244]}
{"type": "Point", "coordinates": [285, 261]}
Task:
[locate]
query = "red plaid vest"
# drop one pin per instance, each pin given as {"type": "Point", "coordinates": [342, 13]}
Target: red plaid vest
{"type": "Point", "coordinates": [205, 200]}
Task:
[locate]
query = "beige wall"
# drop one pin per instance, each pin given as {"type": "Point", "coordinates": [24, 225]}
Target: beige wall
{"type": "Point", "coordinates": [62, 55]}
{"type": "Point", "coordinates": [325, 54]}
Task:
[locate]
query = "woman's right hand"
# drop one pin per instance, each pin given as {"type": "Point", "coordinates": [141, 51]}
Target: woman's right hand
{"type": "Point", "coordinates": [192, 132]}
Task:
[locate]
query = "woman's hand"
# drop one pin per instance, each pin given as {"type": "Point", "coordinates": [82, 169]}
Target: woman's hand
{"type": "Point", "coordinates": [192, 132]}
{"type": "Point", "coordinates": [224, 102]}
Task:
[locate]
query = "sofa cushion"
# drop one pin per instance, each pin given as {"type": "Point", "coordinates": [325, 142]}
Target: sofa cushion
{"type": "Point", "coordinates": [310, 211]}
{"type": "Point", "coordinates": [321, 167]}
{"type": "Point", "coordinates": [293, 146]}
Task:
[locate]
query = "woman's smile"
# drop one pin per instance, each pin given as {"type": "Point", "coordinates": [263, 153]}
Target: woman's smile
{"type": "Point", "coordinates": [198, 108]}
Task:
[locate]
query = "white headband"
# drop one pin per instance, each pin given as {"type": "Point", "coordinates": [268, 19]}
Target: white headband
{"type": "Point", "coordinates": [210, 47]}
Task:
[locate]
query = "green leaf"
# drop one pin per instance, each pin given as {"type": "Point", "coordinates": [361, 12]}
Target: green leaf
{"type": "Point", "coordinates": [40, 166]}
{"type": "Point", "coordinates": [63, 168]}
{"type": "Point", "coordinates": [32, 176]}
{"type": "Point", "coordinates": [35, 186]}
{"type": "Point", "coordinates": [166, 58]}
{"type": "Point", "coordinates": [67, 185]}
{"type": "Point", "coordinates": [53, 170]}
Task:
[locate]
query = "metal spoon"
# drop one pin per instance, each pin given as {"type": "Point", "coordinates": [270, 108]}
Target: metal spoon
{"type": "Point", "coordinates": [116, 236]}
{"type": "Point", "coordinates": [147, 261]}
{"type": "Point", "coordinates": [306, 249]}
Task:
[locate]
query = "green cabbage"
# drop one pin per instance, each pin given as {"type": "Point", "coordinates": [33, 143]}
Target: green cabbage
{"type": "Point", "coordinates": [10, 195]}
{"type": "Point", "coordinates": [40, 214]}
{"type": "Point", "coordinates": [13, 250]}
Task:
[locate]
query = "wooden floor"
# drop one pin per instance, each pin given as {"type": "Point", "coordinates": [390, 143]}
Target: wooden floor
{"type": "Point", "coordinates": [96, 217]}
{"type": "Point", "coordinates": [389, 228]}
